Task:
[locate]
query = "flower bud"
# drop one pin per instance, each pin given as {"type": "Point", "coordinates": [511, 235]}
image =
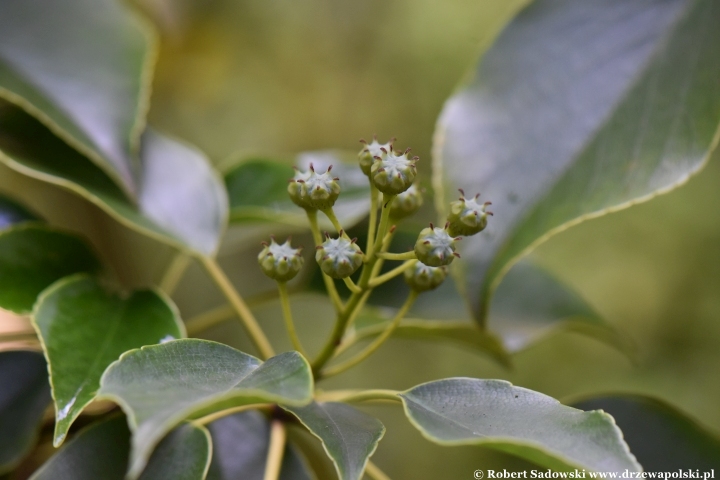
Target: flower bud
{"type": "Point", "coordinates": [339, 257]}
{"type": "Point", "coordinates": [406, 203]}
{"type": "Point", "coordinates": [367, 155]}
{"type": "Point", "coordinates": [393, 174]}
{"type": "Point", "coordinates": [280, 262]}
{"type": "Point", "coordinates": [312, 191]}
{"type": "Point", "coordinates": [422, 278]}
{"type": "Point", "coordinates": [467, 217]}
{"type": "Point", "coordinates": [435, 247]}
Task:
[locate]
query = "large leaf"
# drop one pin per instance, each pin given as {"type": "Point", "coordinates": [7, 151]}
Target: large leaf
{"type": "Point", "coordinates": [467, 411]}
{"type": "Point", "coordinates": [578, 109]}
{"type": "Point", "coordinates": [84, 328]}
{"type": "Point", "coordinates": [161, 385]}
{"type": "Point", "coordinates": [101, 451]}
{"type": "Point", "coordinates": [348, 435]}
{"type": "Point", "coordinates": [182, 201]}
{"type": "Point", "coordinates": [24, 396]}
{"type": "Point", "coordinates": [258, 189]}
{"type": "Point", "coordinates": [661, 437]}
{"type": "Point", "coordinates": [34, 256]}
{"type": "Point", "coordinates": [12, 212]}
{"type": "Point", "coordinates": [82, 68]}
{"type": "Point", "coordinates": [240, 449]}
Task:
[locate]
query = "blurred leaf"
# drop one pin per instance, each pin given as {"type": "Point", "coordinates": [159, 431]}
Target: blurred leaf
{"type": "Point", "coordinates": [181, 192]}
{"type": "Point", "coordinates": [24, 396]}
{"type": "Point", "coordinates": [12, 212]}
{"type": "Point", "coordinates": [661, 437]}
{"type": "Point", "coordinates": [530, 302]}
{"type": "Point", "coordinates": [348, 435]}
{"type": "Point", "coordinates": [161, 385]}
{"type": "Point", "coordinates": [240, 448]}
{"type": "Point", "coordinates": [578, 109]}
{"type": "Point", "coordinates": [183, 201]}
{"type": "Point", "coordinates": [82, 68]}
{"type": "Point", "coordinates": [34, 256]}
{"type": "Point", "coordinates": [258, 190]}
{"type": "Point", "coordinates": [84, 328]}
{"type": "Point", "coordinates": [101, 451]}
{"type": "Point", "coordinates": [467, 411]}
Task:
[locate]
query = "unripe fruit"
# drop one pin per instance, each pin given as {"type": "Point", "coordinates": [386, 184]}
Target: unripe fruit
{"type": "Point", "coordinates": [406, 203]}
{"type": "Point", "coordinates": [392, 173]}
{"type": "Point", "coordinates": [312, 191]}
{"type": "Point", "coordinates": [339, 257]}
{"type": "Point", "coordinates": [435, 247]}
{"type": "Point", "coordinates": [467, 217]}
{"type": "Point", "coordinates": [422, 278]}
{"type": "Point", "coordinates": [367, 155]}
{"type": "Point", "coordinates": [280, 262]}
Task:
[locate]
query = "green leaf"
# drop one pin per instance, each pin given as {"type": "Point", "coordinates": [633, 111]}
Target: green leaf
{"type": "Point", "coordinates": [661, 437]}
{"type": "Point", "coordinates": [530, 302]}
{"type": "Point", "coordinates": [101, 451]}
{"type": "Point", "coordinates": [577, 110]}
{"type": "Point", "coordinates": [24, 396]}
{"type": "Point", "coordinates": [83, 69]}
{"type": "Point", "coordinates": [240, 448]}
{"type": "Point", "coordinates": [12, 212]}
{"type": "Point", "coordinates": [467, 411]}
{"type": "Point", "coordinates": [84, 328]}
{"type": "Point", "coordinates": [348, 435]}
{"type": "Point", "coordinates": [258, 189]}
{"type": "Point", "coordinates": [182, 202]}
{"type": "Point", "coordinates": [34, 256]}
{"type": "Point", "coordinates": [159, 386]}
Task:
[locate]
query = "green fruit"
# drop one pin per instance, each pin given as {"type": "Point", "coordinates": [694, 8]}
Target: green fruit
{"type": "Point", "coordinates": [467, 217]}
{"type": "Point", "coordinates": [314, 191]}
{"type": "Point", "coordinates": [367, 155]}
{"type": "Point", "coordinates": [339, 257]}
{"type": "Point", "coordinates": [406, 203]}
{"type": "Point", "coordinates": [392, 173]}
{"type": "Point", "coordinates": [435, 247]}
{"type": "Point", "coordinates": [422, 278]}
{"type": "Point", "coordinates": [280, 262]}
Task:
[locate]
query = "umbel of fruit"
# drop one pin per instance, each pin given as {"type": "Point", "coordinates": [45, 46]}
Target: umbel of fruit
{"type": "Point", "coordinates": [339, 257]}
{"type": "Point", "coordinates": [393, 173]}
{"type": "Point", "coordinates": [370, 151]}
{"type": "Point", "coordinates": [280, 262]}
{"type": "Point", "coordinates": [467, 217]}
{"type": "Point", "coordinates": [406, 203]}
{"type": "Point", "coordinates": [422, 278]}
{"type": "Point", "coordinates": [314, 191]}
{"type": "Point", "coordinates": [435, 247]}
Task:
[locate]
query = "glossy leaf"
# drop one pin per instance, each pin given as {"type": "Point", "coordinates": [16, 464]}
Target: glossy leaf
{"type": "Point", "coordinates": [467, 411]}
{"type": "Point", "coordinates": [348, 435]}
{"type": "Point", "coordinates": [24, 396]}
{"type": "Point", "coordinates": [12, 212]}
{"type": "Point", "coordinates": [80, 68]}
{"type": "Point", "coordinates": [84, 328]}
{"type": "Point", "coordinates": [101, 451]}
{"type": "Point", "coordinates": [258, 189]}
{"type": "Point", "coordinates": [578, 109]}
{"type": "Point", "coordinates": [184, 207]}
{"type": "Point", "coordinates": [34, 256]}
{"type": "Point", "coordinates": [661, 437]}
{"type": "Point", "coordinates": [530, 303]}
{"type": "Point", "coordinates": [240, 448]}
{"type": "Point", "coordinates": [159, 386]}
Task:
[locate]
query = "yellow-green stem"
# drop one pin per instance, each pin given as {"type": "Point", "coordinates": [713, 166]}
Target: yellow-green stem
{"type": "Point", "coordinates": [357, 396]}
{"type": "Point", "coordinates": [398, 256]}
{"type": "Point", "coordinates": [329, 283]}
{"type": "Point", "coordinates": [208, 319]}
{"type": "Point", "coordinates": [351, 285]}
{"type": "Point", "coordinates": [229, 411]}
{"type": "Point", "coordinates": [257, 336]}
{"type": "Point", "coordinates": [370, 349]}
{"type": "Point", "coordinates": [391, 274]}
{"type": "Point", "coordinates": [384, 222]}
{"type": "Point", "coordinates": [374, 472]}
{"type": "Point", "coordinates": [174, 272]}
{"type": "Point", "coordinates": [372, 221]}
{"type": "Point", "coordinates": [330, 214]}
{"type": "Point", "coordinates": [278, 437]}
{"type": "Point", "coordinates": [287, 315]}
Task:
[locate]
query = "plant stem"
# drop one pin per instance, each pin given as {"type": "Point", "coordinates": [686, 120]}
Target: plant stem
{"type": "Point", "coordinates": [278, 436]}
{"type": "Point", "coordinates": [397, 256]}
{"type": "Point", "coordinates": [384, 221]}
{"type": "Point", "coordinates": [208, 319]}
{"type": "Point", "coordinates": [174, 272]}
{"type": "Point", "coordinates": [329, 283]}
{"type": "Point", "coordinates": [330, 214]}
{"type": "Point", "coordinates": [287, 315]}
{"type": "Point", "coordinates": [374, 472]}
{"type": "Point", "coordinates": [370, 349]}
{"type": "Point", "coordinates": [229, 411]}
{"type": "Point", "coordinates": [372, 221]}
{"type": "Point", "coordinates": [248, 319]}
{"type": "Point", "coordinates": [357, 396]}
{"type": "Point", "coordinates": [351, 285]}
{"type": "Point", "coordinates": [391, 274]}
